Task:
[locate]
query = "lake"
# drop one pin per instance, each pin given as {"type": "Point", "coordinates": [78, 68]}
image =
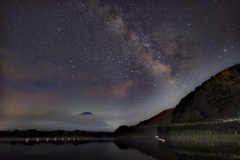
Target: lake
{"type": "Point", "coordinates": [116, 149]}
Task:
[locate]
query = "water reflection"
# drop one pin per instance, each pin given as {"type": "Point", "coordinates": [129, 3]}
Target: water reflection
{"type": "Point", "coordinates": [146, 148]}
{"type": "Point", "coordinates": [175, 150]}
{"type": "Point", "coordinates": [61, 150]}
{"type": "Point", "coordinates": [204, 149]}
{"type": "Point", "coordinates": [149, 146]}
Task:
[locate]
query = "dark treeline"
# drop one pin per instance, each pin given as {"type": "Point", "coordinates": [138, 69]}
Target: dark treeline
{"type": "Point", "coordinates": [55, 133]}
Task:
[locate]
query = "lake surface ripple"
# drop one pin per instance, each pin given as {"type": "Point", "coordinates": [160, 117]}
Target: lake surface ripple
{"type": "Point", "coordinates": [116, 149]}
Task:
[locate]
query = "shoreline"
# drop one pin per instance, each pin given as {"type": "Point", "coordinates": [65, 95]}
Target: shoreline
{"type": "Point", "coordinates": [204, 138]}
{"type": "Point", "coordinates": [51, 139]}
{"type": "Point", "coordinates": [79, 139]}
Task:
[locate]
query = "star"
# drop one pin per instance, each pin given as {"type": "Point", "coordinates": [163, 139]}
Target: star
{"type": "Point", "coordinates": [61, 59]}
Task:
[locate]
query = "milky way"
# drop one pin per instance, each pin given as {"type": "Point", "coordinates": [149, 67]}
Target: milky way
{"type": "Point", "coordinates": [124, 61]}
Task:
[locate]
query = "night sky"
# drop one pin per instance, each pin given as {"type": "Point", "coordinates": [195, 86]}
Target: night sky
{"type": "Point", "coordinates": [122, 60]}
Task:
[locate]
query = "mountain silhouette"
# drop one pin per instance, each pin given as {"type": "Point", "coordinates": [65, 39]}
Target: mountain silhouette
{"type": "Point", "coordinates": [164, 117]}
{"type": "Point", "coordinates": [217, 98]}
{"type": "Point", "coordinates": [147, 127]}
{"type": "Point", "coordinates": [89, 122]}
{"type": "Point", "coordinates": [86, 113]}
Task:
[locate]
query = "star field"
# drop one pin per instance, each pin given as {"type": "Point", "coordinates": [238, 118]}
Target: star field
{"type": "Point", "coordinates": [122, 60]}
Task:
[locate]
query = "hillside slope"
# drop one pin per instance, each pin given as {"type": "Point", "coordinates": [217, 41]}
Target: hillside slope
{"type": "Point", "coordinates": [162, 118]}
{"type": "Point", "coordinates": [217, 98]}
{"type": "Point", "coordinates": [147, 127]}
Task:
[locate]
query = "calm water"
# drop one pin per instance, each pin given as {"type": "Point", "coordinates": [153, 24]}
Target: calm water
{"type": "Point", "coordinates": [140, 149]}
